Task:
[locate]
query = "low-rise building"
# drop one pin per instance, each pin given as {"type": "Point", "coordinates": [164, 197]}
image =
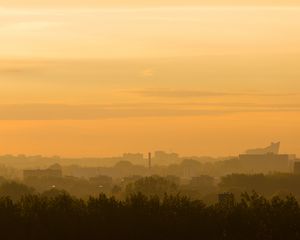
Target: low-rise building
{"type": "Point", "coordinates": [264, 163]}
{"type": "Point", "coordinates": [297, 167]}
{"type": "Point", "coordinates": [38, 173]}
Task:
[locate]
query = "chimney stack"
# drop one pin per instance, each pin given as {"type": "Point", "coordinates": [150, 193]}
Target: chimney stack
{"type": "Point", "coordinates": [149, 160]}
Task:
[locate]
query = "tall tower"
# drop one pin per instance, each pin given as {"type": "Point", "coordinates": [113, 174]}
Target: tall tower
{"type": "Point", "coordinates": [149, 160]}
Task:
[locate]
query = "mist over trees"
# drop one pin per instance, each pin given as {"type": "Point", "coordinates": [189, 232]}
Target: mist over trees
{"type": "Point", "coordinates": [185, 200]}
{"type": "Point", "coordinates": [203, 187]}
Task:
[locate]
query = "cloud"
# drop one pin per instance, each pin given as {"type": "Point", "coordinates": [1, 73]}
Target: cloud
{"type": "Point", "coordinates": [93, 112]}
{"type": "Point", "coordinates": [12, 70]}
{"type": "Point", "coordinates": [148, 72]}
{"type": "Point", "coordinates": [178, 93]}
{"type": "Point", "coordinates": [170, 93]}
{"type": "Point", "coordinates": [72, 3]}
{"type": "Point", "coordinates": [19, 67]}
{"type": "Point", "coordinates": [88, 112]}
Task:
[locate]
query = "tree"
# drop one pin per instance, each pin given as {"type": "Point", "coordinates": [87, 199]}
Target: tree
{"type": "Point", "coordinates": [15, 190]}
{"type": "Point", "coordinates": [152, 186]}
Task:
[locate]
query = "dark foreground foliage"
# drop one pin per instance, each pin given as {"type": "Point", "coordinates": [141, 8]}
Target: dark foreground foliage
{"type": "Point", "coordinates": [138, 217]}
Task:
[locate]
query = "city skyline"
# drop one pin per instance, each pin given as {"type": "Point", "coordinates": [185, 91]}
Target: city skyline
{"type": "Point", "coordinates": [100, 79]}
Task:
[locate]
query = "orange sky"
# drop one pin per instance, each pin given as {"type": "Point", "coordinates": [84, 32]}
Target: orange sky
{"type": "Point", "coordinates": [99, 80]}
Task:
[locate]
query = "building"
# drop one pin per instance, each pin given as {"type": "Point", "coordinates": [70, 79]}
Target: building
{"type": "Point", "coordinates": [190, 168]}
{"type": "Point", "coordinates": [202, 180]}
{"type": "Point", "coordinates": [273, 148]}
{"type": "Point", "coordinates": [149, 160]}
{"type": "Point", "coordinates": [163, 156]}
{"type": "Point", "coordinates": [264, 163]}
{"type": "Point", "coordinates": [297, 167]}
{"type": "Point", "coordinates": [52, 171]}
{"type": "Point", "coordinates": [133, 157]}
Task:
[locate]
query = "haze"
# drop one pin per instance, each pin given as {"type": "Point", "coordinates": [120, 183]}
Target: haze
{"type": "Point", "coordinates": [102, 79]}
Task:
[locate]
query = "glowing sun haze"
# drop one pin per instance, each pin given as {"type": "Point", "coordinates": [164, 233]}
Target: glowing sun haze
{"type": "Point", "coordinates": [98, 78]}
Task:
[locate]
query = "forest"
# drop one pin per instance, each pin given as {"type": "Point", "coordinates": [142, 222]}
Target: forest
{"type": "Point", "coordinates": [203, 187]}
{"type": "Point", "coordinates": [62, 216]}
{"type": "Point", "coordinates": [256, 206]}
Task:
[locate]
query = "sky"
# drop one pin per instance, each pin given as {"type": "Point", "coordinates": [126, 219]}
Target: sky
{"type": "Point", "coordinates": [99, 78]}
{"type": "Point", "coordinates": [133, 3]}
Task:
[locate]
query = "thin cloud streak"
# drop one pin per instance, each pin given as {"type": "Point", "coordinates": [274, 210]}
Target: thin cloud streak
{"type": "Point", "coordinates": [93, 112]}
{"type": "Point", "coordinates": [143, 3]}
{"type": "Point", "coordinates": [168, 93]}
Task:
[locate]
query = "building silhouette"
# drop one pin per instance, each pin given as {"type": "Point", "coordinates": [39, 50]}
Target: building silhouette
{"type": "Point", "coordinates": [53, 171]}
{"type": "Point", "coordinates": [163, 156]}
{"type": "Point", "coordinates": [133, 157]}
{"type": "Point", "coordinates": [264, 163]}
{"type": "Point", "coordinates": [149, 160]}
{"type": "Point", "coordinates": [273, 148]}
{"type": "Point", "coordinates": [297, 167]}
{"type": "Point", "coordinates": [42, 173]}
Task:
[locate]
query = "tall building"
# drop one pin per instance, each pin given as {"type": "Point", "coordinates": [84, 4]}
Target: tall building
{"type": "Point", "coordinates": [273, 148]}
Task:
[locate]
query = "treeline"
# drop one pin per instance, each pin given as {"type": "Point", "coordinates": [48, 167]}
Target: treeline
{"type": "Point", "coordinates": [276, 184]}
{"type": "Point", "coordinates": [36, 217]}
{"type": "Point", "coordinates": [205, 188]}
{"type": "Point", "coordinates": [202, 187]}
